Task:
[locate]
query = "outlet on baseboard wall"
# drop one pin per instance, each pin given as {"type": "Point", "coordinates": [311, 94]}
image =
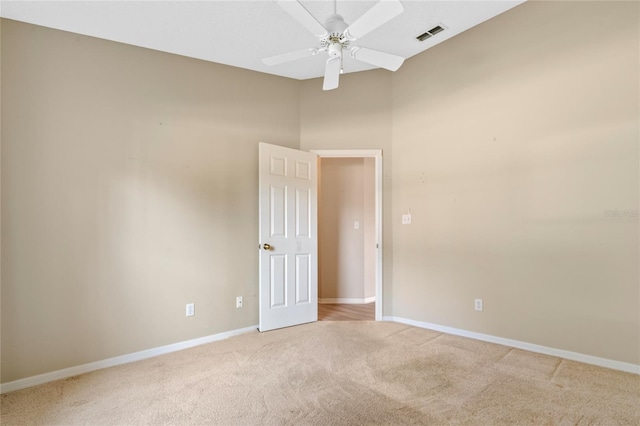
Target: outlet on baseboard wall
{"type": "Point", "coordinates": [239, 302]}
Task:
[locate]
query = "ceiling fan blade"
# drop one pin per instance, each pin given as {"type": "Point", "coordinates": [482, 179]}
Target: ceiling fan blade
{"type": "Point", "coordinates": [302, 15]}
{"type": "Point", "coordinates": [383, 11]}
{"type": "Point", "coordinates": [332, 74]}
{"type": "Point", "coordinates": [288, 57]}
{"type": "Point", "coordinates": [375, 57]}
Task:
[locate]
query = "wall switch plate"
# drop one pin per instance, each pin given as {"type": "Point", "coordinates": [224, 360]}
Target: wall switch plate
{"type": "Point", "coordinates": [478, 304]}
{"type": "Point", "coordinates": [356, 225]}
{"type": "Point", "coordinates": [406, 219]}
{"type": "Point", "coordinates": [191, 309]}
{"type": "Point", "coordinates": [239, 302]}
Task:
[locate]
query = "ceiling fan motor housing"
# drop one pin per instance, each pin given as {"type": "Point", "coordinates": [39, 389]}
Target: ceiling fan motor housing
{"type": "Point", "coordinates": [334, 41]}
{"type": "Point", "coordinates": [335, 25]}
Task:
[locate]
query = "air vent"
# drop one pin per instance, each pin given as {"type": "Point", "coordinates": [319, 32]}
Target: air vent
{"type": "Point", "coordinates": [433, 31]}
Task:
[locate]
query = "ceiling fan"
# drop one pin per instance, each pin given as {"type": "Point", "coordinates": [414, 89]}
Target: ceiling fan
{"type": "Point", "coordinates": [335, 38]}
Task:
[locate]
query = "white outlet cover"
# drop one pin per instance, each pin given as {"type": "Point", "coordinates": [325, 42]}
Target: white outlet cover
{"type": "Point", "coordinates": [406, 219]}
{"type": "Point", "coordinates": [191, 310]}
{"type": "Point", "coordinates": [478, 304]}
{"type": "Point", "coordinates": [356, 225]}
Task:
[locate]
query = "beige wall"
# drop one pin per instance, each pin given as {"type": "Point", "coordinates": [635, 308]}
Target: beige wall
{"type": "Point", "coordinates": [346, 262]}
{"type": "Point", "coordinates": [510, 141]}
{"type": "Point", "coordinates": [129, 188]}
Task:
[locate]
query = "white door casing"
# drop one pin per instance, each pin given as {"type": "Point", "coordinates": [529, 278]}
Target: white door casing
{"type": "Point", "coordinates": [288, 222]}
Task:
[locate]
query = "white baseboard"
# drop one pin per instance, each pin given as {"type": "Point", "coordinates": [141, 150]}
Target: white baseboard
{"type": "Point", "coordinates": [346, 300]}
{"type": "Point", "coordinates": [560, 353]}
{"type": "Point", "coordinates": [119, 360]}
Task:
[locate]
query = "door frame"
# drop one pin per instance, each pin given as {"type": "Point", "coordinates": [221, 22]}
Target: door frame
{"type": "Point", "coordinates": [376, 154]}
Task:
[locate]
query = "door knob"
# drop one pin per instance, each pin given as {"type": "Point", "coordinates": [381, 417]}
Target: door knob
{"type": "Point", "coordinates": [266, 247]}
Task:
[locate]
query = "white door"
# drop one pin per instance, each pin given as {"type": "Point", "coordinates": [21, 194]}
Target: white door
{"type": "Point", "coordinates": [288, 237]}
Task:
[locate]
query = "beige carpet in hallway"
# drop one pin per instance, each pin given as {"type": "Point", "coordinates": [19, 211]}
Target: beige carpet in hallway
{"type": "Point", "coordinates": [337, 373]}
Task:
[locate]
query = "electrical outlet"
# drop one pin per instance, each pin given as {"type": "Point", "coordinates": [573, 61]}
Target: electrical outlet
{"type": "Point", "coordinates": [406, 219]}
{"type": "Point", "coordinates": [478, 304]}
{"type": "Point", "coordinates": [239, 302]}
{"type": "Point", "coordinates": [356, 225]}
{"type": "Point", "coordinates": [191, 309]}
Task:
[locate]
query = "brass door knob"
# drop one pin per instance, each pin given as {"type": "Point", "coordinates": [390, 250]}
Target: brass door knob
{"type": "Point", "coordinates": [266, 247]}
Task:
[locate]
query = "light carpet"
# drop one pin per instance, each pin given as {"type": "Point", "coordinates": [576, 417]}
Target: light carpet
{"type": "Point", "coordinates": [337, 373]}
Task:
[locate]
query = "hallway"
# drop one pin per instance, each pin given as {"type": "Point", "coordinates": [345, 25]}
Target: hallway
{"type": "Point", "coordinates": [346, 312]}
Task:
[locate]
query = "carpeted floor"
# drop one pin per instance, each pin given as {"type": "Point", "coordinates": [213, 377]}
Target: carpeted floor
{"type": "Point", "coordinates": [333, 373]}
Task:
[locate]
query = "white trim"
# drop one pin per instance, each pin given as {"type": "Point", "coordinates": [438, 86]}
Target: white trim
{"type": "Point", "coordinates": [377, 155]}
{"type": "Point", "coordinates": [119, 360]}
{"type": "Point", "coordinates": [346, 300]}
{"type": "Point", "coordinates": [379, 208]}
{"type": "Point", "coordinates": [560, 353]}
{"type": "Point", "coordinates": [347, 153]}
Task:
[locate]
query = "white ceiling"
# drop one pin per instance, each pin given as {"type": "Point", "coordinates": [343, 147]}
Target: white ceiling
{"type": "Point", "coordinates": [240, 32]}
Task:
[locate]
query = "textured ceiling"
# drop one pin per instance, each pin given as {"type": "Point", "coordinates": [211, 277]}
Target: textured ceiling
{"type": "Point", "coordinates": [240, 33]}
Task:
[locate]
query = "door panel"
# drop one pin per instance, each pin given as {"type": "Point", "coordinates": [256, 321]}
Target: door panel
{"type": "Point", "coordinates": [288, 226]}
{"type": "Point", "coordinates": [278, 211]}
{"type": "Point", "coordinates": [278, 281]}
{"type": "Point", "coordinates": [303, 279]}
{"type": "Point", "coordinates": [303, 221]}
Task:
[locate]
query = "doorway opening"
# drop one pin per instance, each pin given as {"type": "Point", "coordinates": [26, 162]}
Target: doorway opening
{"type": "Point", "coordinates": [349, 234]}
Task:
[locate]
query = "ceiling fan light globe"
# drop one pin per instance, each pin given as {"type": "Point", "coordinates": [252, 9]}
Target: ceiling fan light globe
{"type": "Point", "coordinates": [335, 50]}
